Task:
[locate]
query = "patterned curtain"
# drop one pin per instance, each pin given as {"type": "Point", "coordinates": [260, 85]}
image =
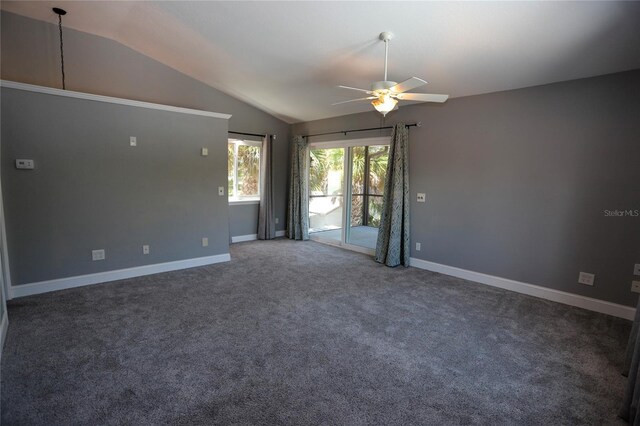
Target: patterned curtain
{"type": "Point", "coordinates": [393, 247]}
{"type": "Point", "coordinates": [298, 214]}
{"type": "Point", "coordinates": [266, 224]}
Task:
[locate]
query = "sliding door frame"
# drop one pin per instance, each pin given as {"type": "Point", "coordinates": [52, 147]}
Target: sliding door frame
{"type": "Point", "coordinates": [347, 189]}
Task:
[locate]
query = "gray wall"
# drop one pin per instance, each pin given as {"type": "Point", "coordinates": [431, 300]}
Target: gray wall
{"type": "Point", "coordinates": [30, 54]}
{"type": "Point", "coordinates": [91, 190]}
{"type": "Point", "coordinates": [517, 182]}
{"type": "Point", "coordinates": [243, 220]}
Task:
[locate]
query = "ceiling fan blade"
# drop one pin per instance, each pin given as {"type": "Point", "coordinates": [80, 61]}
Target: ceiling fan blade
{"type": "Point", "coordinates": [422, 97]}
{"type": "Point", "coordinates": [354, 100]}
{"type": "Point", "coordinates": [407, 85]}
{"type": "Point", "coordinates": [355, 88]}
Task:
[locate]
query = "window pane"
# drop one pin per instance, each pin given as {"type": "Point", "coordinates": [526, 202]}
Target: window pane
{"type": "Point", "coordinates": [375, 210]}
{"type": "Point", "coordinates": [357, 210]}
{"type": "Point", "coordinates": [248, 171]}
{"type": "Point", "coordinates": [325, 189]}
{"type": "Point", "coordinates": [326, 171]}
{"type": "Point", "coordinates": [357, 174]}
{"type": "Point", "coordinates": [357, 185]}
{"type": "Point", "coordinates": [378, 156]}
{"type": "Point", "coordinates": [230, 162]}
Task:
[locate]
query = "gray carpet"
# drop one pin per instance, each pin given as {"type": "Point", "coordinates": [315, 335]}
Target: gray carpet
{"type": "Point", "coordinates": [304, 333]}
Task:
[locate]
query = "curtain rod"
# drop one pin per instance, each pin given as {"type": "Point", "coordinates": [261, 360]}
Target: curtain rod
{"type": "Point", "coordinates": [418, 124]}
{"type": "Point", "coordinates": [246, 134]}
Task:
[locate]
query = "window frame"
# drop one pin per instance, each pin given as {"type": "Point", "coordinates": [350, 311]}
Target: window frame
{"type": "Point", "coordinates": [235, 200]}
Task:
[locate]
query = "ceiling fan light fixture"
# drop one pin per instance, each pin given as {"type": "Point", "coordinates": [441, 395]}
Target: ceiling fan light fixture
{"type": "Point", "coordinates": [384, 104]}
{"type": "Point", "coordinates": [384, 95]}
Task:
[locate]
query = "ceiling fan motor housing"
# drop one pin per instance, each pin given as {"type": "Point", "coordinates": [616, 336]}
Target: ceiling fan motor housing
{"type": "Point", "coordinates": [384, 95]}
{"type": "Point", "coordinates": [382, 85]}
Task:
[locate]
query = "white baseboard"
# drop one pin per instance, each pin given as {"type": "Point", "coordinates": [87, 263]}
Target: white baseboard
{"type": "Point", "coordinates": [242, 238]}
{"type": "Point", "coordinates": [253, 237]}
{"type": "Point", "coordinates": [584, 302]}
{"type": "Point", "coordinates": [120, 274]}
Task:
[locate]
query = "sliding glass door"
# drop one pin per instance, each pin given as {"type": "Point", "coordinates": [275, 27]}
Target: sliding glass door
{"type": "Point", "coordinates": [346, 184]}
{"type": "Point", "coordinates": [368, 169]}
{"type": "Point", "coordinates": [326, 192]}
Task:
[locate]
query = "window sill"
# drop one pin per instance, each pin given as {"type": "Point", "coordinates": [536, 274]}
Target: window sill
{"type": "Point", "coordinates": [243, 202]}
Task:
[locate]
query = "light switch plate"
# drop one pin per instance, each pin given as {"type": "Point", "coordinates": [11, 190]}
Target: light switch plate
{"type": "Point", "coordinates": [205, 152]}
{"type": "Point", "coordinates": [205, 242]}
{"type": "Point", "coordinates": [422, 197]}
{"type": "Point", "coordinates": [145, 249]}
{"type": "Point", "coordinates": [586, 278]}
{"type": "Point", "coordinates": [133, 141]}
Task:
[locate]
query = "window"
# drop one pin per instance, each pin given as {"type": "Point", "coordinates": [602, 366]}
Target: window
{"type": "Point", "coordinates": [244, 170]}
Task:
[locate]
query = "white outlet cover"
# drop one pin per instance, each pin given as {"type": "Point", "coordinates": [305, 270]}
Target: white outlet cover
{"type": "Point", "coordinates": [636, 269]}
{"type": "Point", "coordinates": [635, 286]}
{"type": "Point", "coordinates": [205, 242]}
{"type": "Point", "coordinates": [418, 246]}
{"type": "Point", "coordinates": [221, 190]}
{"type": "Point", "coordinates": [586, 278]}
{"type": "Point", "coordinates": [422, 197]}
{"type": "Point", "coordinates": [277, 220]}
{"type": "Point", "coordinates": [205, 152]}
{"type": "Point", "coordinates": [133, 141]}
{"type": "Point", "coordinates": [145, 249]}
{"type": "Point", "coordinates": [97, 254]}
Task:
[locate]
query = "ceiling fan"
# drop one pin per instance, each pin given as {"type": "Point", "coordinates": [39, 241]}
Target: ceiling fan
{"type": "Point", "coordinates": [384, 95]}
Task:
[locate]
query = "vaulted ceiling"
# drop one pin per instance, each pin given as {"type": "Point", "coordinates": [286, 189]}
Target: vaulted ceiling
{"type": "Point", "coordinates": [288, 57]}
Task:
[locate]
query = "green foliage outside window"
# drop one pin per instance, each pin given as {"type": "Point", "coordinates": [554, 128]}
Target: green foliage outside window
{"type": "Point", "coordinates": [324, 161]}
{"type": "Point", "coordinates": [377, 156]}
{"type": "Point", "coordinates": [244, 170]}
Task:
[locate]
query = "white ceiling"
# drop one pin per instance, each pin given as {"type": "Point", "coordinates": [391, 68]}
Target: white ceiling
{"type": "Point", "coordinates": [288, 57]}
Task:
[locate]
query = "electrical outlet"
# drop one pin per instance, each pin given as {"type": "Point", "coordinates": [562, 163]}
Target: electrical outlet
{"type": "Point", "coordinates": [636, 269]}
{"type": "Point", "coordinates": [145, 249]}
{"type": "Point", "coordinates": [205, 152]}
{"type": "Point", "coordinates": [422, 197]}
{"type": "Point", "coordinates": [221, 190]}
{"type": "Point", "coordinates": [277, 220]}
{"type": "Point", "coordinates": [133, 141]}
{"type": "Point", "coordinates": [418, 246]}
{"type": "Point", "coordinates": [635, 286]}
{"type": "Point", "coordinates": [205, 242]}
{"type": "Point", "coordinates": [97, 254]}
{"type": "Point", "coordinates": [586, 278]}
